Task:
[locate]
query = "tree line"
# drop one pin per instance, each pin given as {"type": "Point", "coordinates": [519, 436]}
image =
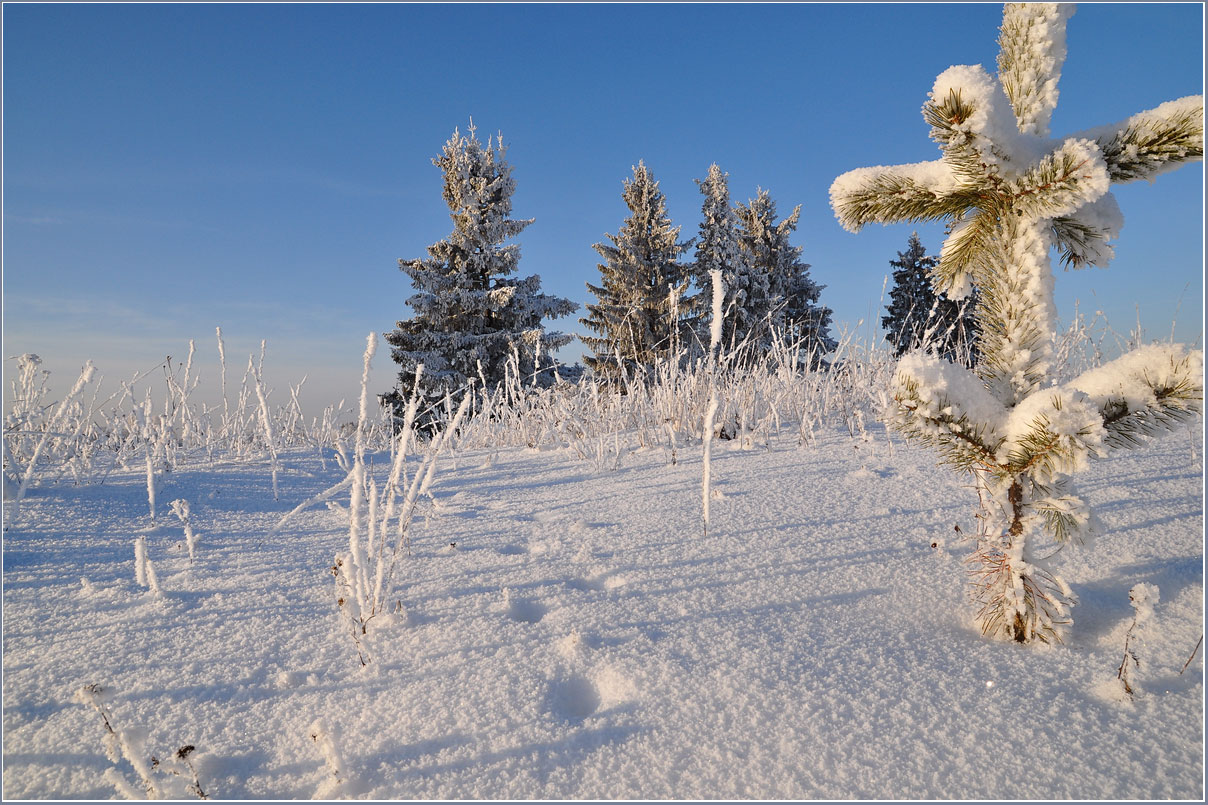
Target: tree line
{"type": "Point", "coordinates": [475, 320]}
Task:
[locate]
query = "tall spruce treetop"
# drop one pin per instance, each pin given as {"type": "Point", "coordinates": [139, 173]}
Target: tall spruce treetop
{"type": "Point", "coordinates": [719, 247]}
{"type": "Point", "coordinates": [1011, 195]}
{"type": "Point", "coordinates": [642, 284]}
{"type": "Point", "coordinates": [918, 317]}
{"type": "Point", "coordinates": [788, 306]}
{"type": "Point", "coordinates": [470, 312]}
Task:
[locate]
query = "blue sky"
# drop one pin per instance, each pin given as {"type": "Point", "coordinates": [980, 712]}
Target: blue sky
{"type": "Point", "coordinates": [170, 168]}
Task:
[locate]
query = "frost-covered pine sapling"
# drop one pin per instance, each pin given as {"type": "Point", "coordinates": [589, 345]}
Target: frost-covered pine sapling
{"type": "Point", "coordinates": [1143, 597]}
{"type": "Point", "coordinates": [1010, 194]}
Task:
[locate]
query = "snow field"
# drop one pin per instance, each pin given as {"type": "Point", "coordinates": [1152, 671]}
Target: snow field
{"type": "Point", "coordinates": [584, 639]}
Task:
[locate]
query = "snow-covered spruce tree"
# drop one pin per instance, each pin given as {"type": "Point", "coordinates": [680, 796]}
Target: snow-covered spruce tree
{"type": "Point", "coordinates": [1012, 194]}
{"type": "Point", "coordinates": [917, 317]}
{"type": "Point", "coordinates": [789, 308]}
{"type": "Point", "coordinates": [642, 285]}
{"type": "Point", "coordinates": [720, 247]}
{"type": "Point", "coordinates": [470, 312]}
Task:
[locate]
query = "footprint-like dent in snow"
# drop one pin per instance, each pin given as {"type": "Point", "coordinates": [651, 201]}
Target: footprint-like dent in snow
{"type": "Point", "coordinates": [285, 680]}
{"type": "Point", "coordinates": [513, 550]}
{"type": "Point", "coordinates": [580, 696]}
{"type": "Point", "coordinates": [523, 611]}
{"type": "Point", "coordinates": [613, 687]}
{"type": "Point", "coordinates": [574, 699]}
{"type": "Point", "coordinates": [599, 582]}
{"type": "Point", "coordinates": [612, 582]}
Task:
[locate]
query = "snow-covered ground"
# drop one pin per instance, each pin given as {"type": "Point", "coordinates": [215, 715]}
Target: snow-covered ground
{"type": "Point", "coordinates": [585, 639]}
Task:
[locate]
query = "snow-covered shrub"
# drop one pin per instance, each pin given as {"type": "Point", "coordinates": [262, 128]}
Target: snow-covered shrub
{"type": "Point", "coordinates": [364, 574]}
{"type": "Point", "coordinates": [1011, 195]}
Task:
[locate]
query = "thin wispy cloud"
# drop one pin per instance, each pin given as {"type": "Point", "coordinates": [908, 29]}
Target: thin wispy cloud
{"type": "Point", "coordinates": [32, 220]}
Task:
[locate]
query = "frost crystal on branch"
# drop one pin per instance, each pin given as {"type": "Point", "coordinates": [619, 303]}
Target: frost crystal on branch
{"type": "Point", "coordinates": [1010, 196]}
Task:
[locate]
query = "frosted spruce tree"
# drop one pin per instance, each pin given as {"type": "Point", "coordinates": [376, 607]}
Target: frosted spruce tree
{"type": "Point", "coordinates": [917, 317]}
{"type": "Point", "coordinates": [1011, 194]}
{"type": "Point", "coordinates": [642, 285]}
{"type": "Point", "coordinates": [719, 247]}
{"type": "Point", "coordinates": [471, 313]}
{"type": "Point", "coordinates": [788, 306]}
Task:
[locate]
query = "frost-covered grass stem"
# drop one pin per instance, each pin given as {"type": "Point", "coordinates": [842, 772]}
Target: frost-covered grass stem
{"type": "Point", "coordinates": [52, 426]}
{"type": "Point", "coordinates": [265, 420]}
{"type": "Point", "coordinates": [719, 291]}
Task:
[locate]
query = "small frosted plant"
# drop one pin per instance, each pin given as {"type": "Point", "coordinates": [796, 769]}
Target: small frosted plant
{"type": "Point", "coordinates": [324, 738]}
{"type": "Point", "coordinates": [28, 364]}
{"type": "Point", "coordinates": [144, 571]}
{"type": "Point", "coordinates": [364, 574]}
{"type": "Point", "coordinates": [180, 507]}
{"type": "Point", "coordinates": [128, 744]}
{"type": "Point", "coordinates": [1010, 195]}
{"type": "Point", "coordinates": [1143, 597]}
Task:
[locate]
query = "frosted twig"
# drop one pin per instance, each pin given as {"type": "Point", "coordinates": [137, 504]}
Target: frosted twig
{"type": "Point", "coordinates": [1194, 651]}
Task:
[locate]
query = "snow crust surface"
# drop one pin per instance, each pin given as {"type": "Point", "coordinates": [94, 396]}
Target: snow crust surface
{"type": "Point", "coordinates": [564, 632]}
